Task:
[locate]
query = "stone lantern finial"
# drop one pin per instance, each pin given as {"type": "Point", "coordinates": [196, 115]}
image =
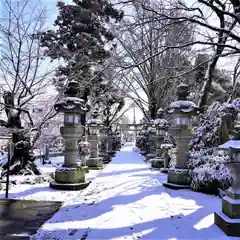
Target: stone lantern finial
{"type": "Point", "coordinates": [160, 113]}
{"type": "Point", "coordinates": [95, 113]}
{"type": "Point", "coordinates": [182, 91]}
{"type": "Point", "coordinates": [72, 89]}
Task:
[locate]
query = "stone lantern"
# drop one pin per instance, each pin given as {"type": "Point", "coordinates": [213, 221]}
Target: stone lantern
{"type": "Point", "coordinates": [182, 111]}
{"type": "Point", "coordinates": [229, 218]}
{"type": "Point", "coordinates": [71, 176]}
{"type": "Point", "coordinates": [151, 131]}
{"type": "Point", "coordinates": [161, 126]}
{"type": "Point", "coordinates": [94, 162]}
{"type": "Point", "coordinates": [103, 136]}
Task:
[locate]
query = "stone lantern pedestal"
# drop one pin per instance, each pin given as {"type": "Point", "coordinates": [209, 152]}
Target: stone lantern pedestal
{"type": "Point", "coordinates": [70, 176]}
{"type": "Point", "coordinates": [228, 220]}
{"type": "Point", "coordinates": [178, 177]}
{"type": "Point", "coordinates": [182, 111]}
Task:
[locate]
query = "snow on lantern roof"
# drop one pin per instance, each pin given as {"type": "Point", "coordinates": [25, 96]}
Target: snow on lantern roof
{"type": "Point", "coordinates": [235, 144]}
{"type": "Point", "coordinates": [73, 104]}
{"type": "Point", "coordinates": [94, 121]}
{"type": "Point", "coordinates": [161, 122]}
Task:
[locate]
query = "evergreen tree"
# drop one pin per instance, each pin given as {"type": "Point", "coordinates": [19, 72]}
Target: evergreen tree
{"type": "Point", "coordinates": [79, 38]}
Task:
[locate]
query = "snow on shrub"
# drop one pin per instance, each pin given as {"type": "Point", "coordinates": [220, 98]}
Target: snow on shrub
{"type": "Point", "coordinates": [209, 174]}
{"type": "Point", "coordinates": [206, 162]}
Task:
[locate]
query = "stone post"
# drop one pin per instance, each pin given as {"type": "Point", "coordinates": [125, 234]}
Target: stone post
{"type": "Point", "coordinates": [94, 162]}
{"type": "Point", "coordinates": [228, 220]}
{"type": "Point", "coordinates": [70, 176]}
{"type": "Point", "coordinates": [180, 129]}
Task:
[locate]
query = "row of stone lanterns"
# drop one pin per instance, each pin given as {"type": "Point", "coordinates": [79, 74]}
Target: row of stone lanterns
{"type": "Point", "coordinates": [182, 110]}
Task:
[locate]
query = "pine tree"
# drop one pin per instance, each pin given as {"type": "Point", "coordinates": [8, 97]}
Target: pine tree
{"type": "Point", "coordinates": [79, 38]}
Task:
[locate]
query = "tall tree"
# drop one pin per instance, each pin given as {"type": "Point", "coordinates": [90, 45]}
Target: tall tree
{"type": "Point", "coordinates": [79, 38]}
{"type": "Point", "coordinates": [149, 74]}
{"type": "Point", "coordinates": [216, 28]}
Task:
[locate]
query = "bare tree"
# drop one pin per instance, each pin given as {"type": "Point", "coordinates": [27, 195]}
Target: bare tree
{"type": "Point", "coordinates": [216, 30]}
{"type": "Point", "coordinates": [141, 37]}
{"type": "Point", "coordinates": [24, 74]}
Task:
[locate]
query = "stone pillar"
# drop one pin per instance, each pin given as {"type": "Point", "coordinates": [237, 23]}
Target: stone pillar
{"type": "Point", "coordinates": [182, 110]}
{"type": "Point", "coordinates": [182, 138]}
{"type": "Point", "coordinates": [94, 162]}
{"type": "Point", "coordinates": [228, 220]}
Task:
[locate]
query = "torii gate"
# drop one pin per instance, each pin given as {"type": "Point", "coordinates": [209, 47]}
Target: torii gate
{"type": "Point", "coordinates": [129, 127]}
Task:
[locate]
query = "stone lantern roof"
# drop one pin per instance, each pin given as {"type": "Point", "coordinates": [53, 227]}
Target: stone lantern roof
{"type": "Point", "coordinates": [182, 104]}
{"type": "Point", "coordinates": [94, 121]}
{"type": "Point", "coordinates": [70, 102]}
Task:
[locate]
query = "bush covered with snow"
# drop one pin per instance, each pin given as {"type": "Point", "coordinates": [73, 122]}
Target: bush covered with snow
{"type": "Point", "coordinates": [209, 174]}
{"type": "Point", "coordinates": [206, 163]}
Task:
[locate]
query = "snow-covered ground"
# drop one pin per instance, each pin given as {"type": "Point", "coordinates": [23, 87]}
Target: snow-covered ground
{"type": "Point", "coordinates": [128, 201]}
{"type": "Point", "coordinates": [42, 191]}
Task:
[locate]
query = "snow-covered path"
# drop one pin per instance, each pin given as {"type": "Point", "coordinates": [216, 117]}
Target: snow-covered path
{"type": "Point", "coordinates": [128, 201]}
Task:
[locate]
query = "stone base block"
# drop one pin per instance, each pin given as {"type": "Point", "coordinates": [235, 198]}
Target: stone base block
{"type": "Point", "coordinates": [178, 179]}
{"type": "Point", "coordinates": [231, 207]}
{"type": "Point", "coordinates": [68, 186]}
{"type": "Point", "coordinates": [157, 163]}
{"type": "Point", "coordinates": [85, 169]}
{"type": "Point", "coordinates": [70, 175]}
{"type": "Point", "coordinates": [231, 227]}
{"type": "Point", "coordinates": [95, 168]}
{"type": "Point", "coordinates": [111, 153]}
{"type": "Point", "coordinates": [164, 170]}
{"type": "Point", "coordinates": [105, 158]}
{"type": "Point", "coordinates": [175, 186]}
{"type": "Point", "coordinates": [150, 156]}
{"type": "Point", "coordinates": [95, 163]}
